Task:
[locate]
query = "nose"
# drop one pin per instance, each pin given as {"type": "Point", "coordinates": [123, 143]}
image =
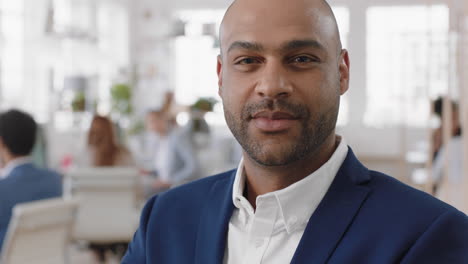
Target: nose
{"type": "Point", "coordinates": [274, 82]}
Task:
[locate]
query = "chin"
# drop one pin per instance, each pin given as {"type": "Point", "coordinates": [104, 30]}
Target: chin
{"type": "Point", "coordinates": [267, 155]}
{"type": "Point", "coordinates": [273, 161]}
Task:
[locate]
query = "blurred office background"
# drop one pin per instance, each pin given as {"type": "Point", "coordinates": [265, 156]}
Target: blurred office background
{"type": "Point", "coordinates": [65, 60]}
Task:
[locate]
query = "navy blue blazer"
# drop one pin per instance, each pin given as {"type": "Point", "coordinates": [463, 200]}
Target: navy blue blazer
{"type": "Point", "coordinates": [25, 183]}
{"type": "Point", "coordinates": [365, 217]}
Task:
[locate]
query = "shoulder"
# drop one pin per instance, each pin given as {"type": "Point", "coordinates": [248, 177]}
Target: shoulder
{"type": "Point", "coordinates": [388, 198]}
{"type": "Point", "coordinates": [48, 181]}
{"type": "Point", "coordinates": [35, 183]}
{"type": "Point", "coordinates": [389, 190]}
{"type": "Point", "coordinates": [399, 204]}
{"type": "Point", "coordinates": [405, 222]}
{"type": "Point", "coordinates": [435, 231]}
{"type": "Point", "coordinates": [47, 172]}
{"type": "Point", "coordinates": [32, 170]}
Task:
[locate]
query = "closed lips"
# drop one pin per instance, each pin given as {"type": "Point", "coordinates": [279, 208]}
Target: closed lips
{"type": "Point", "coordinates": [274, 122]}
{"type": "Point", "coordinates": [274, 115]}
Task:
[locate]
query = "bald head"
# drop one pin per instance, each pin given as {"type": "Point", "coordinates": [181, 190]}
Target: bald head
{"type": "Point", "coordinates": [258, 14]}
{"type": "Point", "coordinates": [281, 56]}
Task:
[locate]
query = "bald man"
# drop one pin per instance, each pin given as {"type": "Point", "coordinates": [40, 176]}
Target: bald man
{"type": "Point", "coordinates": [299, 195]}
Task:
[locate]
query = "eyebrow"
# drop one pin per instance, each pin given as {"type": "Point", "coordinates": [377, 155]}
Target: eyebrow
{"type": "Point", "coordinates": [302, 43]}
{"type": "Point", "coordinates": [291, 45]}
{"type": "Point", "coordinates": [246, 45]}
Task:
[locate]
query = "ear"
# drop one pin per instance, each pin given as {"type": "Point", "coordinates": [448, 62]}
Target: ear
{"type": "Point", "coordinates": [2, 144]}
{"type": "Point", "coordinates": [2, 153]}
{"type": "Point", "coordinates": [219, 71]}
{"type": "Point", "coordinates": [344, 71]}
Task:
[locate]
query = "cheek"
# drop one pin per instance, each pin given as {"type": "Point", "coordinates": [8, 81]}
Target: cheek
{"type": "Point", "coordinates": [310, 87]}
{"type": "Point", "coordinates": [239, 80]}
{"type": "Point", "coordinates": [236, 90]}
{"type": "Point", "coordinates": [229, 99]}
{"type": "Point", "coordinates": [317, 92]}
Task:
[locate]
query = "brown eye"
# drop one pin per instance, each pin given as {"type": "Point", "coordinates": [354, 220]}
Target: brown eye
{"type": "Point", "coordinates": [303, 59]}
{"type": "Point", "coordinates": [245, 61]}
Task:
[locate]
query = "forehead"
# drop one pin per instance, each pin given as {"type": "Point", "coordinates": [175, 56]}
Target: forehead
{"type": "Point", "coordinates": [275, 22]}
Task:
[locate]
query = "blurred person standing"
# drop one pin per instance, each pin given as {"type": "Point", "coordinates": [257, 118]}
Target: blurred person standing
{"type": "Point", "coordinates": [455, 129]}
{"type": "Point", "coordinates": [102, 147]}
{"type": "Point", "coordinates": [454, 149]}
{"type": "Point", "coordinates": [20, 180]}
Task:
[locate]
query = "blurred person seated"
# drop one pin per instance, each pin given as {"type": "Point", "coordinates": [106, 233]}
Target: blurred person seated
{"type": "Point", "coordinates": [102, 149]}
{"type": "Point", "coordinates": [168, 152]}
{"type": "Point", "coordinates": [454, 150]}
{"type": "Point", "coordinates": [20, 180]}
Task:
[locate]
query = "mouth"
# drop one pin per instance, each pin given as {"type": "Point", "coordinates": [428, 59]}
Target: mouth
{"type": "Point", "coordinates": [273, 121]}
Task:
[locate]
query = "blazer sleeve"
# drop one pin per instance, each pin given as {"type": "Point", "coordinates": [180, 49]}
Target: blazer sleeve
{"type": "Point", "coordinates": [136, 252]}
{"type": "Point", "coordinates": [444, 241]}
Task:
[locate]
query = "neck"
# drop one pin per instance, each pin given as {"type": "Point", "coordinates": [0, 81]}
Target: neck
{"type": "Point", "coordinates": [262, 179]}
{"type": "Point", "coordinates": [8, 157]}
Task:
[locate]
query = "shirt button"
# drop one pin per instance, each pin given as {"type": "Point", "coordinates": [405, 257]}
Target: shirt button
{"type": "Point", "coordinates": [258, 243]}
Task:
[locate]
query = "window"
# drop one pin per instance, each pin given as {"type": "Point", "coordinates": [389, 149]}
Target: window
{"type": "Point", "coordinates": [195, 74]}
{"type": "Point", "coordinates": [11, 58]}
{"type": "Point", "coordinates": [194, 78]}
{"type": "Point", "coordinates": [407, 62]}
{"type": "Point", "coordinates": [44, 43]}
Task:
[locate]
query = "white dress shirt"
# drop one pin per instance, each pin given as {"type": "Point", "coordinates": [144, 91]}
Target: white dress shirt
{"type": "Point", "coordinates": [12, 165]}
{"type": "Point", "coordinates": [272, 232]}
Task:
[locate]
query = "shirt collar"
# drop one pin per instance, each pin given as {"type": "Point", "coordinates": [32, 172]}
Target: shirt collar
{"type": "Point", "coordinates": [238, 189]}
{"type": "Point", "coordinates": [13, 164]}
{"type": "Point", "coordinates": [297, 202]}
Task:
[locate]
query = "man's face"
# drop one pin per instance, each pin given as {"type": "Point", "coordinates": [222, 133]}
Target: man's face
{"type": "Point", "coordinates": [281, 74]}
{"type": "Point", "coordinates": [156, 123]}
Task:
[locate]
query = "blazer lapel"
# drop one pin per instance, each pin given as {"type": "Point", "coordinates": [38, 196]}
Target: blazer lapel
{"type": "Point", "coordinates": [334, 214]}
{"type": "Point", "coordinates": [214, 221]}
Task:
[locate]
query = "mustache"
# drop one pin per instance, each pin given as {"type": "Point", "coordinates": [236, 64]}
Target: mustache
{"type": "Point", "coordinates": [282, 105]}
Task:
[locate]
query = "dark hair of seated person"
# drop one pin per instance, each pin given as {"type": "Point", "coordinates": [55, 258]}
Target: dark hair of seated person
{"type": "Point", "coordinates": [18, 132]}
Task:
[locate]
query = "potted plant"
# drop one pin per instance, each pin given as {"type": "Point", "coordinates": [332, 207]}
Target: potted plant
{"type": "Point", "coordinates": [78, 103]}
{"type": "Point", "coordinates": [198, 111]}
{"type": "Point", "coordinates": [121, 95]}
